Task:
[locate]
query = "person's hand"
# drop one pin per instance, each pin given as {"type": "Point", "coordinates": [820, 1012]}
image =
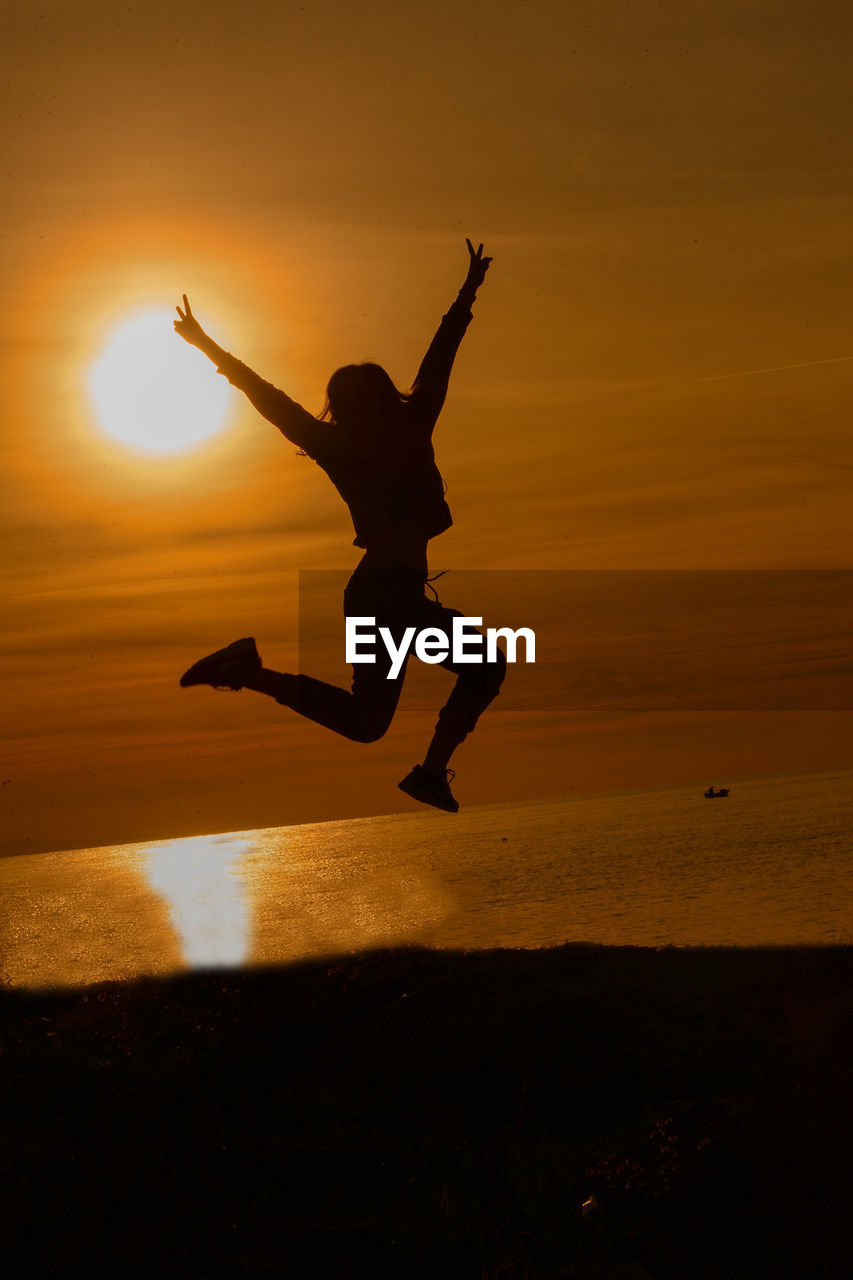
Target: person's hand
{"type": "Point", "coordinates": [188, 327]}
{"type": "Point", "coordinates": [477, 267]}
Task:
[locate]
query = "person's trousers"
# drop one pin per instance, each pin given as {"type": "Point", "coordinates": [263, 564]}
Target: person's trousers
{"type": "Point", "coordinates": [396, 597]}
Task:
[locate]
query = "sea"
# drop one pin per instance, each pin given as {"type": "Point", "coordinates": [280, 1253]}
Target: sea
{"type": "Point", "coordinates": [767, 865]}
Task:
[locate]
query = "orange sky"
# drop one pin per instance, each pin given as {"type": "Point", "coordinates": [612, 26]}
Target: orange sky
{"type": "Point", "coordinates": [666, 192]}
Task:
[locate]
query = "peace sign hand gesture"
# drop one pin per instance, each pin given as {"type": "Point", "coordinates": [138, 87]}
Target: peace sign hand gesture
{"type": "Point", "coordinates": [188, 327]}
{"type": "Point", "coordinates": [477, 267]}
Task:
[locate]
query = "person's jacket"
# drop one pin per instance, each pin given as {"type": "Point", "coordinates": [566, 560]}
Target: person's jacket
{"type": "Point", "coordinates": [386, 478]}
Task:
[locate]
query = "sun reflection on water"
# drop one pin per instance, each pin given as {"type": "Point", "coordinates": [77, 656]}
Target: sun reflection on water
{"type": "Point", "coordinates": [200, 880]}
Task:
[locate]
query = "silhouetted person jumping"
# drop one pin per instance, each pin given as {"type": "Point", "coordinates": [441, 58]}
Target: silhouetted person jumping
{"type": "Point", "coordinates": [375, 444]}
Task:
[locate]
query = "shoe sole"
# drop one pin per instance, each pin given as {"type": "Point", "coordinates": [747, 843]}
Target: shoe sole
{"type": "Point", "coordinates": [425, 798]}
{"type": "Point", "coordinates": [206, 669]}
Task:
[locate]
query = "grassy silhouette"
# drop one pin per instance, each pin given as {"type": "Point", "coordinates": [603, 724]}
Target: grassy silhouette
{"type": "Point", "coordinates": [583, 1113]}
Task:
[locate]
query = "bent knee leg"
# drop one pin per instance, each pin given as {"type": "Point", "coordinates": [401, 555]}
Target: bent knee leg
{"type": "Point", "coordinates": [496, 670]}
{"type": "Point", "coordinates": [485, 681]}
{"type": "Point", "coordinates": [369, 724]}
{"type": "Point", "coordinates": [474, 690]}
{"type": "Point", "coordinates": [367, 732]}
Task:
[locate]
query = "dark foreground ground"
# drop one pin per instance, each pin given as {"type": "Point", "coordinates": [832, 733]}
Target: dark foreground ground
{"type": "Point", "coordinates": [583, 1113]}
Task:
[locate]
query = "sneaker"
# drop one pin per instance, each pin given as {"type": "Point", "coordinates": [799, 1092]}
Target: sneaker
{"type": "Point", "coordinates": [227, 668]}
{"type": "Point", "coordinates": [430, 788]}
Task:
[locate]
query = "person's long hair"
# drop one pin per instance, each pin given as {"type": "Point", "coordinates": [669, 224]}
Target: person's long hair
{"type": "Point", "coordinates": [348, 382]}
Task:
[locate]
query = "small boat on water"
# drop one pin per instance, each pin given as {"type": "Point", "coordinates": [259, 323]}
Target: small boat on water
{"type": "Point", "coordinates": [711, 794]}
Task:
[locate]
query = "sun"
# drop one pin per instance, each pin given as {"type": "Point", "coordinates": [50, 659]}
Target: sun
{"type": "Point", "coordinates": [154, 393]}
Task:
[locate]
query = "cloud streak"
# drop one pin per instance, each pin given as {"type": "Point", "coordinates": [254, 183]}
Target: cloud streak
{"type": "Point", "coordinates": [775, 368]}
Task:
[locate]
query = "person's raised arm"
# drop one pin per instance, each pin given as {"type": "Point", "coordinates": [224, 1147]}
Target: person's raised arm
{"type": "Point", "coordinates": [430, 386]}
{"type": "Point", "coordinates": [294, 422]}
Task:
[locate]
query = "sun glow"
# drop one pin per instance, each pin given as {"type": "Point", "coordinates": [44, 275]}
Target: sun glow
{"type": "Point", "coordinates": [153, 392]}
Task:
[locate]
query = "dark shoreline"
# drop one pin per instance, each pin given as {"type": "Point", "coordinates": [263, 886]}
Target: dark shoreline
{"type": "Point", "coordinates": [577, 1113]}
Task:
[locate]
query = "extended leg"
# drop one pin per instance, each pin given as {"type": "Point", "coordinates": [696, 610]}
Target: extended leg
{"type": "Point", "coordinates": [362, 714]}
